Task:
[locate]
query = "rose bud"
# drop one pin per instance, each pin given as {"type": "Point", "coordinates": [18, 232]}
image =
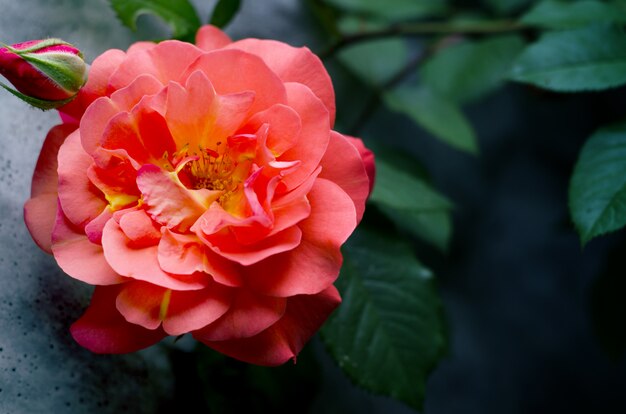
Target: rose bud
{"type": "Point", "coordinates": [46, 73]}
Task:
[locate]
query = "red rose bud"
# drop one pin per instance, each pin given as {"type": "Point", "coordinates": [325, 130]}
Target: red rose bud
{"type": "Point", "coordinates": [46, 73]}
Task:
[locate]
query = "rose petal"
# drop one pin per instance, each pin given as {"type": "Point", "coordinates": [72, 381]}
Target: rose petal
{"type": "Point", "coordinates": [166, 62]}
{"type": "Point", "coordinates": [81, 200]}
{"type": "Point", "coordinates": [285, 339]}
{"type": "Point", "coordinates": [45, 177]}
{"type": "Point", "coordinates": [129, 96]}
{"type": "Point", "coordinates": [234, 71]}
{"type": "Point", "coordinates": [78, 257]}
{"type": "Point", "coordinates": [97, 83]}
{"type": "Point", "coordinates": [167, 200]}
{"type": "Point", "coordinates": [292, 207]}
{"type": "Point", "coordinates": [40, 210]}
{"type": "Point", "coordinates": [314, 136]}
{"type": "Point", "coordinates": [153, 129]}
{"type": "Point", "coordinates": [249, 314]}
{"type": "Point", "coordinates": [142, 263]}
{"type": "Point", "coordinates": [94, 122]}
{"type": "Point", "coordinates": [103, 330]}
{"type": "Point", "coordinates": [140, 229]}
{"type": "Point", "coordinates": [225, 244]}
{"type": "Point", "coordinates": [294, 65]}
{"type": "Point", "coordinates": [93, 229]}
{"type": "Point", "coordinates": [368, 159]}
{"type": "Point", "coordinates": [40, 215]}
{"type": "Point", "coordinates": [198, 118]}
{"type": "Point", "coordinates": [284, 127]}
{"type": "Point", "coordinates": [196, 309]}
{"type": "Point", "coordinates": [343, 165]}
{"type": "Point", "coordinates": [185, 254]}
{"type": "Point", "coordinates": [121, 133]}
{"type": "Point", "coordinates": [148, 305]}
{"type": "Point", "coordinates": [117, 181]}
{"type": "Point", "coordinates": [314, 264]}
{"type": "Point", "coordinates": [210, 37]}
{"type": "Point", "coordinates": [140, 303]}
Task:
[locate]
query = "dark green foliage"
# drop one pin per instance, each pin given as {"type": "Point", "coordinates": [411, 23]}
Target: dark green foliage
{"type": "Point", "coordinates": [224, 12]}
{"type": "Point", "coordinates": [389, 332]}
{"type": "Point", "coordinates": [178, 14]}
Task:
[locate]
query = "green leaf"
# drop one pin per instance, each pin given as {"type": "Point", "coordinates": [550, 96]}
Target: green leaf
{"type": "Point", "coordinates": [401, 191]}
{"type": "Point", "coordinates": [377, 61]}
{"type": "Point", "coordinates": [469, 70]}
{"type": "Point", "coordinates": [224, 12]}
{"type": "Point", "coordinates": [559, 14]}
{"type": "Point", "coordinates": [412, 205]}
{"type": "Point", "coordinates": [437, 114]}
{"type": "Point", "coordinates": [592, 58]}
{"type": "Point", "coordinates": [597, 193]}
{"type": "Point", "coordinates": [388, 334]}
{"type": "Point", "coordinates": [433, 227]}
{"type": "Point", "coordinates": [393, 9]}
{"type": "Point", "coordinates": [178, 14]}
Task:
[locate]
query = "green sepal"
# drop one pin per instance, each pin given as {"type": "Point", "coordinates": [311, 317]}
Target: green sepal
{"type": "Point", "coordinates": [38, 103]}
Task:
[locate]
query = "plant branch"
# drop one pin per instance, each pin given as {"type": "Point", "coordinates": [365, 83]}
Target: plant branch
{"type": "Point", "coordinates": [426, 28]}
{"type": "Point", "coordinates": [374, 100]}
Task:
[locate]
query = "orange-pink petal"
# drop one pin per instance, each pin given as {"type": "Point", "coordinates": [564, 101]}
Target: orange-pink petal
{"type": "Point", "coordinates": [249, 314]}
{"type": "Point", "coordinates": [285, 339]}
{"type": "Point", "coordinates": [197, 117]}
{"type": "Point", "coordinates": [81, 200]}
{"type": "Point", "coordinates": [103, 330]}
{"type": "Point", "coordinates": [140, 229]}
{"type": "Point", "coordinates": [188, 311]}
{"type": "Point", "coordinates": [167, 200]}
{"type": "Point", "coordinates": [78, 257]}
{"type": "Point", "coordinates": [45, 177]}
{"type": "Point", "coordinates": [234, 71]}
{"type": "Point", "coordinates": [40, 215]}
{"type": "Point", "coordinates": [314, 264]}
{"type": "Point", "coordinates": [40, 209]}
{"type": "Point", "coordinates": [97, 85]}
{"type": "Point", "coordinates": [148, 305]}
{"type": "Point", "coordinates": [225, 244]}
{"type": "Point", "coordinates": [129, 96]}
{"type": "Point", "coordinates": [185, 254]}
{"type": "Point", "coordinates": [343, 165]}
{"type": "Point", "coordinates": [142, 263]}
{"type": "Point", "coordinates": [284, 127]}
{"type": "Point", "coordinates": [210, 37]}
{"type": "Point", "coordinates": [294, 65]}
{"type": "Point", "coordinates": [165, 61]}
{"type": "Point", "coordinates": [314, 135]}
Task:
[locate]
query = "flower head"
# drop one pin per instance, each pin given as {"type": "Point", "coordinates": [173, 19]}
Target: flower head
{"type": "Point", "coordinates": [46, 73]}
{"type": "Point", "coordinates": [202, 190]}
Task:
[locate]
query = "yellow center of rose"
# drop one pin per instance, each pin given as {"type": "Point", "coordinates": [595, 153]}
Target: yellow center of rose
{"type": "Point", "coordinates": [211, 171]}
{"type": "Point", "coordinates": [221, 169]}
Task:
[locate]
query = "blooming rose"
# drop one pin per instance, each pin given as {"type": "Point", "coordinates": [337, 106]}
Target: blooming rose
{"type": "Point", "coordinates": [202, 190]}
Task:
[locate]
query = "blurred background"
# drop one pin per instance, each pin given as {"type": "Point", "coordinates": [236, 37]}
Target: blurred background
{"type": "Point", "coordinates": [535, 321]}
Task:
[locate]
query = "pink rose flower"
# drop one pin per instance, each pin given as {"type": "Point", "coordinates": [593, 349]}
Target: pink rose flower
{"type": "Point", "coordinates": [202, 190]}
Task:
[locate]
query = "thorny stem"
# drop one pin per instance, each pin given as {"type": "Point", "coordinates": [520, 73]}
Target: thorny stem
{"type": "Point", "coordinates": [426, 28]}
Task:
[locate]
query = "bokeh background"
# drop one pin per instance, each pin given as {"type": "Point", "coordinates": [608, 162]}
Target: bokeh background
{"type": "Point", "coordinates": [535, 322]}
